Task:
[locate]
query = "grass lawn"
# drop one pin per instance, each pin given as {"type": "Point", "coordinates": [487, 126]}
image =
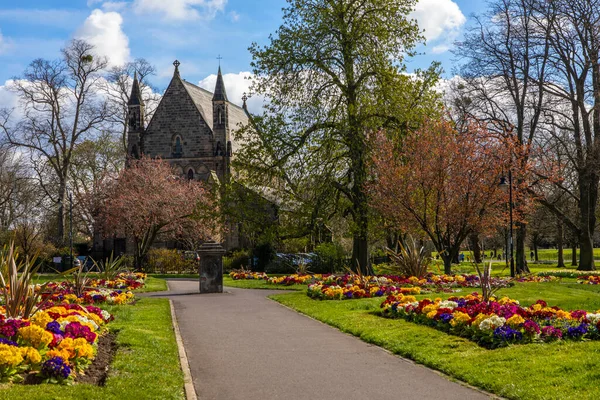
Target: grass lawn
{"type": "Point", "coordinates": [146, 365]}
{"type": "Point", "coordinates": [566, 370]}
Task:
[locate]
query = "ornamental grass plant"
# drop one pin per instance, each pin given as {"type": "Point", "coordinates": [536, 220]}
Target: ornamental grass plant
{"type": "Point", "coordinates": [19, 295]}
{"type": "Point", "coordinates": [410, 260]}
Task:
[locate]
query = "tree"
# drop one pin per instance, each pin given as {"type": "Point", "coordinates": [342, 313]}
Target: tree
{"type": "Point", "coordinates": [506, 66]}
{"type": "Point", "coordinates": [61, 106]}
{"type": "Point", "coordinates": [148, 200]}
{"type": "Point", "coordinates": [331, 74]}
{"type": "Point", "coordinates": [94, 163]}
{"type": "Point", "coordinates": [117, 88]}
{"type": "Point", "coordinates": [442, 183]}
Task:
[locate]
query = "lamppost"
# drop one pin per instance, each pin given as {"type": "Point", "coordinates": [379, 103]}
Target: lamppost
{"type": "Point", "coordinates": [508, 186]}
{"type": "Point", "coordinates": [71, 227]}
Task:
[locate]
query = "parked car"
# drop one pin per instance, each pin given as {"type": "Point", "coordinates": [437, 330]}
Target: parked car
{"type": "Point", "coordinates": [191, 255]}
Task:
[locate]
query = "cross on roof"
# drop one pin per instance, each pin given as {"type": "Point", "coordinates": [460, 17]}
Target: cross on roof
{"type": "Point", "coordinates": [219, 58]}
{"type": "Point", "coordinates": [176, 63]}
{"type": "Point", "coordinates": [244, 97]}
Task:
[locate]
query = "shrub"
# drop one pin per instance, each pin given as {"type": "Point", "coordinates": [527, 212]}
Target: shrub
{"type": "Point", "coordinates": [169, 261]}
{"type": "Point", "coordinates": [237, 259]}
{"type": "Point", "coordinates": [331, 258]}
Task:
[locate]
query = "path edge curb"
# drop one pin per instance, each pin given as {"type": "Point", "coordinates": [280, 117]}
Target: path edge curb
{"type": "Point", "coordinates": [188, 384]}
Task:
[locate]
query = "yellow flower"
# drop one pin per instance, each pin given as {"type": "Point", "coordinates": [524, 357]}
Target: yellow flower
{"type": "Point", "coordinates": [36, 336]}
{"type": "Point", "coordinates": [31, 355]}
{"type": "Point", "coordinates": [515, 320]}
{"type": "Point", "coordinates": [64, 354]}
{"type": "Point", "coordinates": [431, 314]}
{"type": "Point", "coordinates": [430, 307]}
{"type": "Point", "coordinates": [459, 317]}
{"type": "Point", "coordinates": [41, 319]}
{"type": "Point", "coordinates": [536, 307]}
{"type": "Point", "coordinates": [10, 355]}
{"type": "Point", "coordinates": [561, 314]}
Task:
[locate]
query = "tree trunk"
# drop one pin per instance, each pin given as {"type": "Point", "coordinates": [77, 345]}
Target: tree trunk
{"type": "Point", "coordinates": [586, 253]}
{"type": "Point", "coordinates": [62, 206]}
{"type": "Point", "coordinates": [447, 263]}
{"type": "Point", "coordinates": [475, 247]}
{"type": "Point", "coordinates": [588, 192]}
{"type": "Point", "coordinates": [560, 244]}
{"type": "Point", "coordinates": [535, 251]}
{"type": "Point", "coordinates": [520, 257]}
{"type": "Point", "coordinates": [574, 254]}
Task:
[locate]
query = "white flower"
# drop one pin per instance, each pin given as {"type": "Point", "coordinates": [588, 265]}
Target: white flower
{"type": "Point", "coordinates": [448, 304]}
{"type": "Point", "coordinates": [492, 323]}
{"type": "Point", "coordinates": [593, 318]}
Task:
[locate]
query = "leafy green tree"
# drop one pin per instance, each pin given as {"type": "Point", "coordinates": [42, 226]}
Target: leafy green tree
{"type": "Point", "coordinates": [332, 74]}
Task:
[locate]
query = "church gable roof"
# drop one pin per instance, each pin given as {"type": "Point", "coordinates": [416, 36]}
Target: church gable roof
{"type": "Point", "coordinates": [204, 101]}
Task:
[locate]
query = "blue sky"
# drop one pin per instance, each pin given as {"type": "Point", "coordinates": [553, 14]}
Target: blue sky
{"type": "Point", "coordinates": [193, 31]}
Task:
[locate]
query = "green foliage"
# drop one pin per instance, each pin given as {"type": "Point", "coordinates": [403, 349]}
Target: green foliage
{"type": "Point", "coordinates": [236, 260]}
{"type": "Point", "coordinates": [331, 257]}
{"type": "Point", "coordinates": [16, 275]}
{"type": "Point", "coordinates": [332, 73]}
{"type": "Point", "coordinates": [80, 277]}
{"type": "Point", "coordinates": [166, 261]}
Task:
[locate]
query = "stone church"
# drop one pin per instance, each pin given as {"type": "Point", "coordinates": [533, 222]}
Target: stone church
{"type": "Point", "coordinates": [192, 129]}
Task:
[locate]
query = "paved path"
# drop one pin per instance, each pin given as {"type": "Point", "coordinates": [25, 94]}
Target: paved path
{"type": "Point", "coordinates": [241, 345]}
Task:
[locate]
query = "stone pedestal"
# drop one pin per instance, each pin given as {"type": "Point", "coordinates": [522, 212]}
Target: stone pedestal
{"type": "Point", "coordinates": [211, 268]}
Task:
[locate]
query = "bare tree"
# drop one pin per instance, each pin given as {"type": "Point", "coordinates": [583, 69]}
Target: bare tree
{"type": "Point", "coordinates": [117, 88]}
{"type": "Point", "coordinates": [61, 107]}
{"type": "Point", "coordinates": [505, 54]}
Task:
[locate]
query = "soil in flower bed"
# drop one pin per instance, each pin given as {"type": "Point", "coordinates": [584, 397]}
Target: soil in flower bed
{"type": "Point", "coordinates": [97, 372]}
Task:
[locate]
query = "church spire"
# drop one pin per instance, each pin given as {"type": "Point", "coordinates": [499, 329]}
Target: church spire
{"type": "Point", "coordinates": [135, 99]}
{"type": "Point", "coordinates": [220, 94]}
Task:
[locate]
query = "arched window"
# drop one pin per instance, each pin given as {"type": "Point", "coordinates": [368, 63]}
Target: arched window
{"type": "Point", "coordinates": [177, 147]}
{"type": "Point", "coordinates": [190, 174]}
{"type": "Point", "coordinates": [220, 116]}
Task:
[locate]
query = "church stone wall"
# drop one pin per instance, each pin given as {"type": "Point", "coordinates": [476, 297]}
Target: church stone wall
{"type": "Point", "coordinates": [178, 115]}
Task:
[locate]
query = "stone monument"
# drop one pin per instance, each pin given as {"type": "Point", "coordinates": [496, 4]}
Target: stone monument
{"type": "Point", "coordinates": [211, 267]}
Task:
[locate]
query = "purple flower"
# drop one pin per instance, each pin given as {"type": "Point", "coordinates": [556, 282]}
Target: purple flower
{"type": "Point", "coordinates": [577, 332]}
{"type": "Point", "coordinates": [54, 327]}
{"type": "Point", "coordinates": [56, 368]}
{"type": "Point", "coordinates": [446, 317]}
{"type": "Point", "coordinates": [8, 342]}
{"type": "Point", "coordinates": [507, 333]}
{"type": "Point", "coordinates": [9, 327]}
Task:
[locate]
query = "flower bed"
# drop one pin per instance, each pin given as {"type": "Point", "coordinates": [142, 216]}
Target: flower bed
{"type": "Point", "coordinates": [247, 275]}
{"type": "Point", "coordinates": [495, 323]}
{"type": "Point", "coordinates": [124, 280]}
{"type": "Point", "coordinates": [355, 291]}
{"type": "Point", "coordinates": [64, 293]}
{"type": "Point", "coordinates": [589, 280]}
{"type": "Point", "coordinates": [569, 273]}
{"type": "Point", "coordinates": [295, 279]}
{"type": "Point", "coordinates": [56, 343]}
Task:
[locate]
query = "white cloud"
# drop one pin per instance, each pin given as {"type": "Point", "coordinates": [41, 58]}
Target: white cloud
{"type": "Point", "coordinates": [103, 30]}
{"type": "Point", "coordinates": [441, 21]}
{"type": "Point", "coordinates": [235, 17]}
{"type": "Point", "coordinates": [235, 86]}
{"type": "Point", "coordinates": [9, 100]}
{"type": "Point", "coordinates": [114, 5]}
{"type": "Point", "coordinates": [181, 9]}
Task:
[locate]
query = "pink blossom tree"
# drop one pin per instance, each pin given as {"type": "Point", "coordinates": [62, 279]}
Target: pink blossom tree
{"type": "Point", "coordinates": [148, 200]}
